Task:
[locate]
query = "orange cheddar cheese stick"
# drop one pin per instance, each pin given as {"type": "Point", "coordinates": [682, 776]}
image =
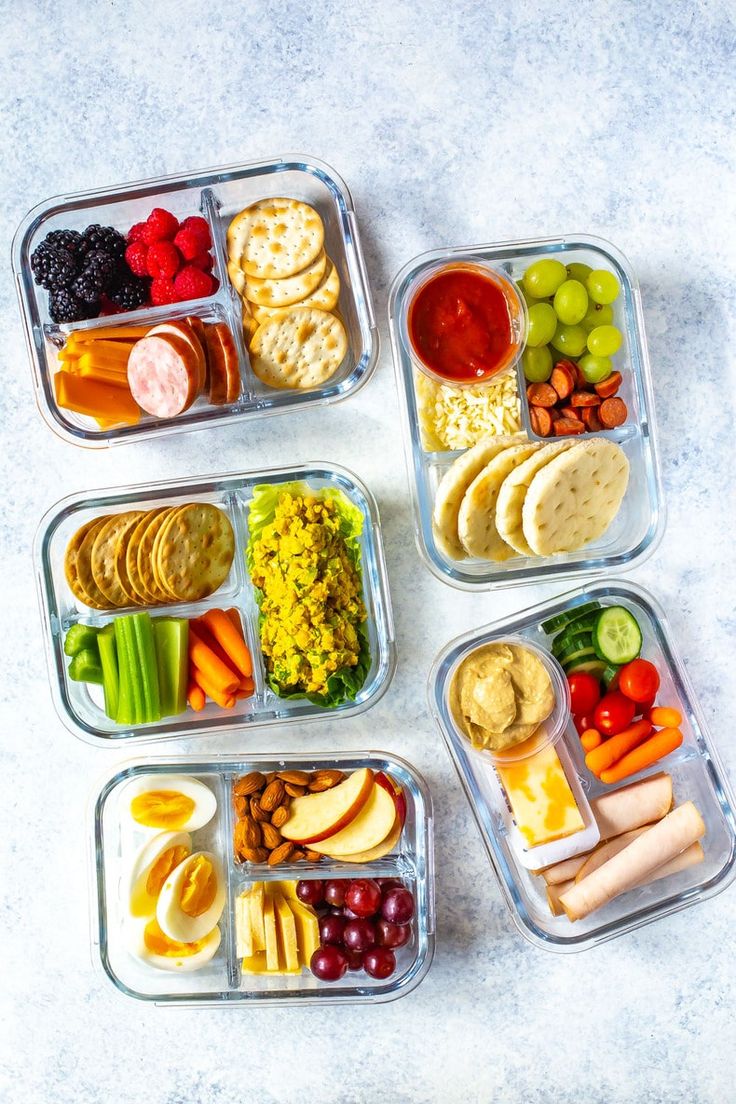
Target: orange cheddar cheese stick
{"type": "Point", "coordinates": [196, 697]}
{"type": "Point", "coordinates": [651, 751]}
{"type": "Point", "coordinates": [108, 333]}
{"type": "Point", "coordinates": [216, 672]}
{"type": "Point", "coordinates": [210, 689]}
{"type": "Point", "coordinates": [230, 640]}
{"type": "Point", "coordinates": [114, 405]}
{"type": "Point", "coordinates": [609, 752]}
{"type": "Point", "coordinates": [99, 372]}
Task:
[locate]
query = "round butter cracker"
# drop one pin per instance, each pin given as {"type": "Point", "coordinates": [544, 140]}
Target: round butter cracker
{"type": "Point", "coordinates": [300, 349]}
{"type": "Point", "coordinates": [195, 551]}
{"type": "Point", "coordinates": [291, 289]}
{"type": "Point", "coordinates": [275, 238]}
{"type": "Point", "coordinates": [77, 568]}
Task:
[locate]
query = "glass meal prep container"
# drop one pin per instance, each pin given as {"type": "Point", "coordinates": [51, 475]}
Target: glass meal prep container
{"type": "Point", "coordinates": [639, 524]}
{"type": "Point", "coordinates": [222, 981]}
{"type": "Point", "coordinates": [217, 195]}
{"type": "Point", "coordinates": [82, 713]}
{"type": "Point", "coordinates": [696, 772]}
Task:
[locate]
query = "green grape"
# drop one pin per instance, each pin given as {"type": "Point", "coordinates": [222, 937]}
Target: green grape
{"type": "Point", "coordinates": [542, 324]}
{"type": "Point", "coordinates": [537, 364]}
{"type": "Point", "coordinates": [597, 315]}
{"type": "Point", "coordinates": [577, 271]}
{"type": "Point", "coordinates": [604, 341]}
{"type": "Point", "coordinates": [543, 278]}
{"type": "Point", "coordinates": [603, 287]}
{"type": "Point", "coordinates": [571, 302]}
{"type": "Point", "coordinates": [595, 368]}
{"type": "Point", "coordinates": [528, 299]}
{"type": "Point", "coordinates": [570, 340]}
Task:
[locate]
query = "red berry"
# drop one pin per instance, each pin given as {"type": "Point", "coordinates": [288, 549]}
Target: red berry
{"type": "Point", "coordinates": [160, 226]}
{"type": "Point", "coordinates": [192, 283]}
{"type": "Point", "coordinates": [135, 258]}
{"type": "Point", "coordinates": [190, 244]}
{"type": "Point", "coordinates": [163, 292]}
{"type": "Point", "coordinates": [203, 261]}
{"type": "Point", "coordinates": [162, 260]}
{"type": "Point", "coordinates": [199, 226]}
{"type": "Point", "coordinates": [136, 232]}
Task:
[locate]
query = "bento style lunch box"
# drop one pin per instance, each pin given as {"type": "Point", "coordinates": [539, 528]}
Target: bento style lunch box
{"type": "Point", "coordinates": [598, 794]}
{"type": "Point", "coordinates": [267, 878]}
{"type": "Point", "coordinates": [525, 390]}
{"type": "Point", "coordinates": [195, 606]}
{"type": "Point", "coordinates": [195, 300]}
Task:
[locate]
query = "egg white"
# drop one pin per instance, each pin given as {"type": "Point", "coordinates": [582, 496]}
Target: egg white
{"type": "Point", "coordinates": [172, 919]}
{"type": "Point", "coordinates": [205, 802]}
{"type": "Point", "coordinates": [140, 901]}
{"type": "Point", "coordinates": [174, 963]}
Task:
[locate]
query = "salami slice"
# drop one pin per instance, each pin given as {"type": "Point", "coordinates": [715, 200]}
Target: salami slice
{"type": "Point", "coordinates": [163, 375]}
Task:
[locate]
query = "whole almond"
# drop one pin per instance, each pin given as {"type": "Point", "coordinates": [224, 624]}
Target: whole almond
{"type": "Point", "coordinates": [249, 783]}
{"type": "Point", "coordinates": [325, 780]}
{"type": "Point", "coordinates": [280, 816]}
{"type": "Point", "coordinates": [256, 811]}
{"type": "Point", "coordinates": [255, 854]}
{"type": "Point", "coordinates": [296, 777]}
{"type": "Point", "coordinates": [270, 776]}
{"type": "Point", "coordinates": [252, 835]}
{"type": "Point", "coordinates": [312, 856]}
{"type": "Point", "coordinates": [293, 790]}
{"type": "Point", "coordinates": [271, 836]}
{"type": "Point", "coordinates": [298, 855]}
{"type": "Point", "coordinates": [240, 804]}
{"type": "Point", "coordinates": [272, 796]}
{"type": "Point", "coordinates": [281, 853]}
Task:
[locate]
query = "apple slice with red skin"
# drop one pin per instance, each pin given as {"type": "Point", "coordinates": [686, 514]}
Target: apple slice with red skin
{"type": "Point", "coordinates": [386, 845]}
{"type": "Point", "coordinates": [369, 828]}
{"type": "Point", "coordinates": [396, 792]}
{"type": "Point", "coordinates": [316, 816]}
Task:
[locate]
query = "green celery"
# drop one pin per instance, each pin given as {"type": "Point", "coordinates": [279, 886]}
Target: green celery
{"type": "Point", "coordinates": [171, 635]}
{"type": "Point", "coordinates": [109, 664]}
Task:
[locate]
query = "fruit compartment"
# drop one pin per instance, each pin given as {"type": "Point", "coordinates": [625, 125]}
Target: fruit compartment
{"type": "Point", "coordinates": [637, 528]}
{"type": "Point", "coordinates": [207, 193]}
{"type": "Point", "coordinates": [81, 712]}
{"type": "Point", "coordinates": [223, 980]}
{"type": "Point", "coordinates": [695, 769]}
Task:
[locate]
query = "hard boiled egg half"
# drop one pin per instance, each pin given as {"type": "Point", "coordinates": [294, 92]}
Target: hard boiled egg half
{"type": "Point", "coordinates": [169, 802]}
{"type": "Point", "coordinates": [152, 946]}
{"type": "Point", "coordinates": [192, 898]}
{"type": "Point", "coordinates": [151, 867]}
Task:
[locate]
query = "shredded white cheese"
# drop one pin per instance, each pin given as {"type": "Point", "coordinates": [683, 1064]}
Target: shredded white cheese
{"type": "Point", "coordinates": [458, 417]}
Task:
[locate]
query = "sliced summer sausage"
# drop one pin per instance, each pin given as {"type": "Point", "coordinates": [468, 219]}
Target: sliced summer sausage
{"type": "Point", "coordinates": [184, 331]}
{"type": "Point", "coordinates": [163, 375]}
{"type": "Point", "coordinates": [612, 413]}
{"type": "Point", "coordinates": [223, 364]}
{"type": "Point", "coordinates": [608, 387]}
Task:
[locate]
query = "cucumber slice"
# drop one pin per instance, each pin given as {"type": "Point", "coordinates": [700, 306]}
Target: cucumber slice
{"type": "Point", "coordinates": [594, 667]}
{"type": "Point", "coordinates": [609, 674]}
{"type": "Point", "coordinates": [575, 645]}
{"type": "Point", "coordinates": [617, 636]}
{"type": "Point", "coordinates": [572, 635]}
{"type": "Point", "coordinates": [561, 620]}
{"type": "Point", "coordinates": [580, 655]}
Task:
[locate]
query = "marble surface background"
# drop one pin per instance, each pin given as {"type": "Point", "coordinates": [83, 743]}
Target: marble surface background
{"type": "Point", "coordinates": [452, 124]}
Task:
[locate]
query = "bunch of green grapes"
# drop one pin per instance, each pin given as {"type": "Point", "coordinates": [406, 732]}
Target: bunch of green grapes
{"type": "Point", "coordinates": [569, 309]}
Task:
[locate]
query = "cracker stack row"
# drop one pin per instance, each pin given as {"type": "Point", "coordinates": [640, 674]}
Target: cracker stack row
{"type": "Point", "coordinates": [290, 289]}
{"type": "Point", "coordinates": [150, 557]}
{"type": "Point", "coordinates": [508, 496]}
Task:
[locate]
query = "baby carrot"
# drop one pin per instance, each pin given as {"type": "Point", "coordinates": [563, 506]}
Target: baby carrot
{"type": "Point", "coordinates": [230, 639]}
{"type": "Point", "coordinates": [219, 696]}
{"type": "Point", "coordinates": [215, 671]}
{"type": "Point", "coordinates": [603, 757]}
{"type": "Point", "coordinates": [591, 738]}
{"type": "Point", "coordinates": [648, 753]}
{"type": "Point", "coordinates": [207, 638]}
{"type": "Point", "coordinates": [663, 716]}
{"type": "Point", "coordinates": [195, 697]}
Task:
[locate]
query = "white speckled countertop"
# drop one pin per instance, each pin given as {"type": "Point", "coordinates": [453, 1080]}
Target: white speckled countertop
{"type": "Point", "coordinates": [492, 122]}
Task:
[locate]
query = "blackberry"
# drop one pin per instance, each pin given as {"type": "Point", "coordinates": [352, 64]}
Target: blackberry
{"type": "Point", "coordinates": [106, 238]}
{"type": "Point", "coordinates": [129, 292]}
{"type": "Point", "coordinates": [100, 270]}
{"type": "Point", "coordinates": [52, 268]}
{"type": "Point", "coordinates": [71, 240]}
{"type": "Point", "coordinates": [86, 287]}
{"type": "Point", "coordinates": [66, 307]}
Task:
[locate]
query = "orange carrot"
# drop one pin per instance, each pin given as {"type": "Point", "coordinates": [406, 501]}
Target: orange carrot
{"type": "Point", "coordinates": [195, 697]}
{"type": "Point", "coordinates": [603, 757]}
{"type": "Point", "coordinates": [215, 671]}
{"type": "Point", "coordinates": [246, 690]}
{"type": "Point", "coordinates": [654, 749]}
{"type": "Point", "coordinates": [207, 638]}
{"type": "Point", "coordinates": [663, 716]}
{"type": "Point", "coordinates": [591, 738]}
{"type": "Point", "coordinates": [219, 696]}
{"type": "Point", "coordinates": [230, 639]}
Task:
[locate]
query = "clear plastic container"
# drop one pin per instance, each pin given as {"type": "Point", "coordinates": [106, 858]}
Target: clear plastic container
{"type": "Point", "coordinates": [83, 714]}
{"type": "Point", "coordinates": [222, 981]}
{"type": "Point", "coordinates": [217, 195]}
{"type": "Point", "coordinates": [637, 528]}
{"type": "Point", "coordinates": [696, 772]}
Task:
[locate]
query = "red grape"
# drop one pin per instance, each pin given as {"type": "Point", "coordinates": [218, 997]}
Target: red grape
{"type": "Point", "coordinates": [379, 962]}
{"type": "Point", "coordinates": [355, 960]}
{"type": "Point", "coordinates": [363, 897]}
{"type": "Point", "coordinates": [328, 963]}
{"type": "Point", "coordinates": [388, 883]}
{"type": "Point", "coordinates": [335, 892]}
{"type": "Point", "coordinates": [311, 892]}
{"type": "Point", "coordinates": [349, 914]}
{"type": "Point", "coordinates": [398, 906]}
{"type": "Point", "coordinates": [331, 929]}
{"type": "Point", "coordinates": [359, 935]}
{"type": "Point", "coordinates": [392, 935]}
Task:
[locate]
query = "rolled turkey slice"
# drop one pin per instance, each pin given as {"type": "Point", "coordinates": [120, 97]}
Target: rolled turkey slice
{"type": "Point", "coordinates": [633, 806]}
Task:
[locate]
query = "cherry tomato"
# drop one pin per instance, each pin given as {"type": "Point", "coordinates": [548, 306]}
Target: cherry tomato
{"type": "Point", "coordinates": [639, 680]}
{"type": "Point", "coordinates": [582, 721]}
{"type": "Point", "coordinates": [585, 692]}
{"type": "Point", "coordinates": [613, 713]}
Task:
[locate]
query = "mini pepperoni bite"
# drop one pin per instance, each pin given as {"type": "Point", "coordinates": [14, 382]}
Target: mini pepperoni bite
{"type": "Point", "coordinates": [612, 413]}
{"type": "Point", "coordinates": [541, 421]}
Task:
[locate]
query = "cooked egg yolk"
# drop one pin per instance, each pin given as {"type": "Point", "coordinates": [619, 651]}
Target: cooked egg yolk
{"type": "Point", "coordinates": [162, 867]}
{"type": "Point", "coordinates": [162, 809]}
{"type": "Point", "coordinates": [158, 943]}
{"type": "Point", "coordinates": [198, 887]}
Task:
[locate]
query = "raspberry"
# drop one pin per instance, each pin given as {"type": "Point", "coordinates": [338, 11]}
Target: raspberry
{"type": "Point", "coordinates": [190, 243]}
{"type": "Point", "coordinates": [163, 291]}
{"type": "Point", "coordinates": [135, 258]}
{"type": "Point", "coordinates": [192, 283]}
{"type": "Point", "coordinates": [160, 226]}
{"type": "Point", "coordinates": [136, 232]}
{"type": "Point", "coordinates": [203, 261]}
{"type": "Point", "coordinates": [199, 226]}
{"type": "Point", "coordinates": [162, 259]}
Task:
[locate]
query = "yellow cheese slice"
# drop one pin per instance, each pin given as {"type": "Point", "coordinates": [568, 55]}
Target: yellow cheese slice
{"type": "Point", "coordinates": [243, 930]}
{"type": "Point", "coordinates": [255, 964]}
{"type": "Point", "coordinates": [307, 929]}
{"type": "Point", "coordinates": [541, 800]}
{"type": "Point", "coordinates": [257, 897]}
{"type": "Point", "coordinates": [286, 930]}
{"type": "Point", "coordinates": [272, 941]}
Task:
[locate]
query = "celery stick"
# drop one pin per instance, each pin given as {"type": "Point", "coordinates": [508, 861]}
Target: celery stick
{"type": "Point", "coordinates": [147, 666]}
{"type": "Point", "coordinates": [85, 667]}
{"type": "Point", "coordinates": [109, 664]}
{"type": "Point", "coordinates": [171, 635]}
{"type": "Point", "coordinates": [79, 638]}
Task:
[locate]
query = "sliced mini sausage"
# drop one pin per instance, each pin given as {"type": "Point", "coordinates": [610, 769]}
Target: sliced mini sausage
{"type": "Point", "coordinates": [541, 394]}
{"type": "Point", "coordinates": [163, 374]}
{"type": "Point", "coordinates": [612, 413]}
{"type": "Point", "coordinates": [566, 427]}
{"type": "Point", "coordinates": [563, 379]}
{"type": "Point", "coordinates": [570, 412]}
{"type": "Point", "coordinates": [591, 419]}
{"type": "Point", "coordinates": [608, 387]}
{"type": "Point", "coordinates": [541, 420]}
{"type": "Point", "coordinates": [183, 330]}
{"type": "Point", "coordinates": [584, 398]}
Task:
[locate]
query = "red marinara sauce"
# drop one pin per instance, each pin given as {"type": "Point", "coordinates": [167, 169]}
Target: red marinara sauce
{"type": "Point", "coordinates": [461, 325]}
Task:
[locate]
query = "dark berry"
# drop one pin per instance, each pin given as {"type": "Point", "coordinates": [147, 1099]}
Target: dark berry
{"type": "Point", "coordinates": [66, 307]}
{"type": "Point", "coordinates": [53, 268]}
{"type": "Point", "coordinates": [106, 238]}
{"type": "Point", "coordinates": [70, 240]}
{"type": "Point", "coordinates": [130, 293]}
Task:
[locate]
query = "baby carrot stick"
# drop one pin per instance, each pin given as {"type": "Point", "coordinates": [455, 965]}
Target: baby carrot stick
{"type": "Point", "coordinates": [609, 752]}
{"type": "Point", "coordinates": [654, 749]}
{"type": "Point", "coordinates": [214, 670]}
{"type": "Point", "coordinates": [219, 696]}
{"type": "Point", "coordinates": [591, 738]}
{"type": "Point", "coordinates": [207, 638]}
{"type": "Point", "coordinates": [230, 639]}
{"type": "Point", "coordinates": [195, 697]}
{"type": "Point", "coordinates": [664, 716]}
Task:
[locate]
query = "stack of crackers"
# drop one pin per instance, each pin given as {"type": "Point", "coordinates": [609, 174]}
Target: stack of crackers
{"type": "Point", "coordinates": [290, 290]}
{"type": "Point", "coordinates": [150, 557]}
{"type": "Point", "coordinates": [508, 496]}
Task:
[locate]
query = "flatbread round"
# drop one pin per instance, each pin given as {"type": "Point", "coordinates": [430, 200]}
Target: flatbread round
{"type": "Point", "coordinates": [301, 349]}
{"type": "Point", "coordinates": [195, 551]}
{"type": "Point", "coordinates": [97, 599]}
{"type": "Point", "coordinates": [275, 238]}
{"type": "Point", "coordinates": [103, 555]}
{"type": "Point", "coordinates": [290, 289]}
{"type": "Point", "coordinates": [476, 522]}
{"type": "Point", "coordinates": [575, 497]}
{"type": "Point", "coordinates": [513, 492]}
{"type": "Point", "coordinates": [84, 565]}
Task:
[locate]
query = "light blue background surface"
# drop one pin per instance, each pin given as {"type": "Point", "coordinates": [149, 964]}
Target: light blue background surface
{"type": "Point", "coordinates": [451, 124]}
